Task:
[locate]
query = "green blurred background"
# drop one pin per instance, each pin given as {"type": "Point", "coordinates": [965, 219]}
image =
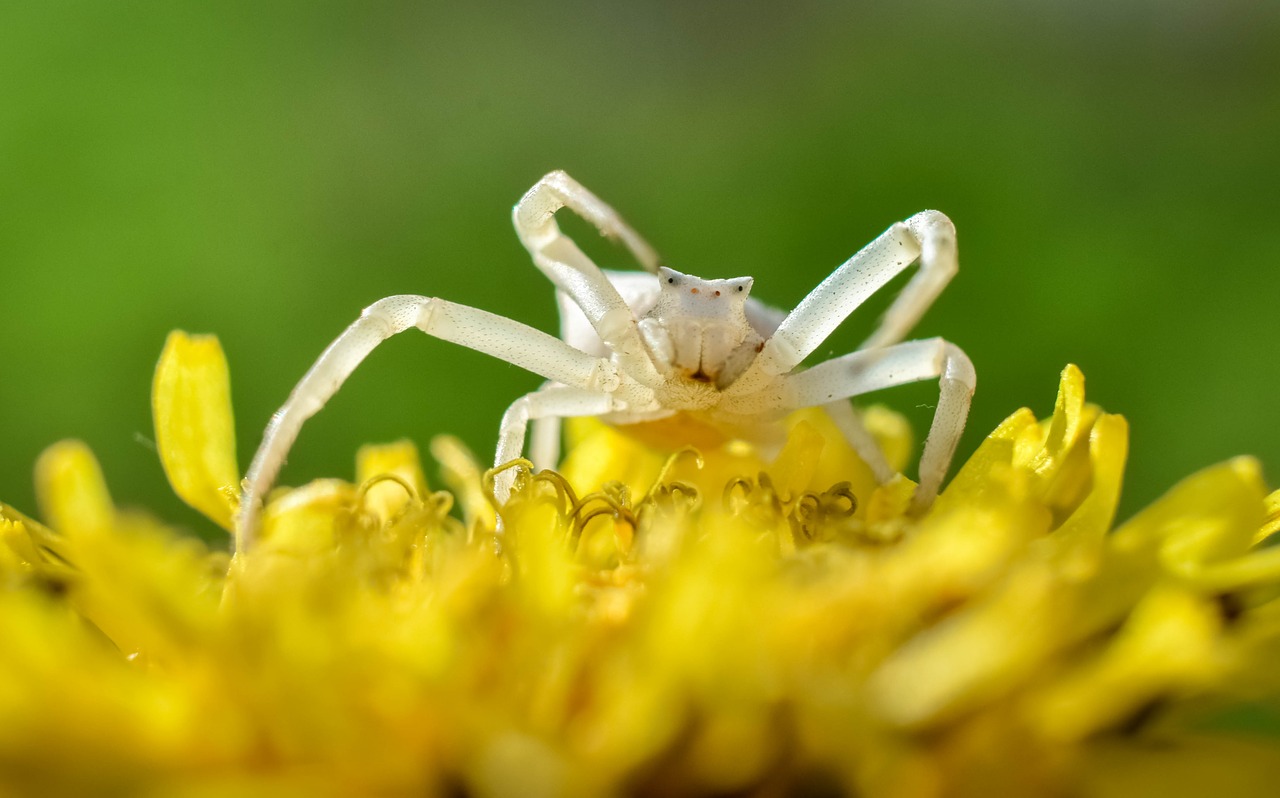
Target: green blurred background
{"type": "Point", "coordinates": [263, 170]}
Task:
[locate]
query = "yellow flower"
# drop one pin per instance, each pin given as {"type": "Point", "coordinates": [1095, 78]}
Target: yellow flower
{"type": "Point", "coordinates": [652, 621]}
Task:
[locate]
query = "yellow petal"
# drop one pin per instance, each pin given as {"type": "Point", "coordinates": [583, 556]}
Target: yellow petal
{"type": "Point", "coordinates": [72, 494]}
{"type": "Point", "coordinates": [796, 464]}
{"type": "Point", "coordinates": [1272, 523]}
{"type": "Point", "coordinates": [816, 454]}
{"type": "Point", "coordinates": [972, 658]}
{"type": "Point", "coordinates": [1082, 535]}
{"type": "Point", "coordinates": [1059, 456]}
{"type": "Point", "coordinates": [1069, 420]}
{"type": "Point", "coordinates": [1205, 519]}
{"type": "Point", "coordinates": [1258, 568]}
{"type": "Point", "coordinates": [993, 459]}
{"type": "Point", "coordinates": [305, 519]}
{"type": "Point", "coordinates": [1165, 647]}
{"type": "Point", "coordinates": [603, 454]}
{"type": "Point", "coordinates": [146, 590]}
{"type": "Point", "coordinates": [195, 432]}
{"type": "Point", "coordinates": [461, 472]}
{"type": "Point", "coordinates": [32, 546]}
{"type": "Point", "coordinates": [390, 475]}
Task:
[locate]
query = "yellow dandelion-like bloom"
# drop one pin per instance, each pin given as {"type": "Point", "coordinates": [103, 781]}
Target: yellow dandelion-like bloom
{"type": "Point", "coordinates": [693, 622]}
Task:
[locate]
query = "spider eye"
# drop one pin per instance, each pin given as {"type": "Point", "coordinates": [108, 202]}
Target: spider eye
{"type": "Point", "coordinates": [739, 289]}
{"type": "Point", "coordinates": [672, 280]}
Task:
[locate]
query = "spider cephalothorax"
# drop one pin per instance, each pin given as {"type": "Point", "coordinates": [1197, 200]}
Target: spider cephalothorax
{"type": "Point", "coordinates": [698, 328]}
{"type": "Point", "coordinates": [644, 346]}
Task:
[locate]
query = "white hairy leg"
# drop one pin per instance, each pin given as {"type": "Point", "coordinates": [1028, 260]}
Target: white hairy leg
{"type": "Point", "coordinates": [556, 401]}
{"type": "Point", "coordinates": [576, 275]}
{"type": "Point", "coordinates": [557, 190]}
{"type": "Point", "coordinates": [870, 370]}
{"type": "Point", "coordinates": [928, 237]}
{"type": "Point", "coordinates": [501, 337]}
{"type": "Point", "coordinates": [936, 237]}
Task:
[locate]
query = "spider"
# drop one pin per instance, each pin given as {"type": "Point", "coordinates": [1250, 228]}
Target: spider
{"type": "Point", "coordinates": [640, 347]}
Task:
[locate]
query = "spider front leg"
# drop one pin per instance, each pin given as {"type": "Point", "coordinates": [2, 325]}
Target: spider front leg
{"type": "Point", "coordinates": [936, 237]}
{"type": "Point", "coordinates": [568, 267]}
{"type": "Point", "coordinates": [871, 370]}
{"type": "Point", "coordinates": [557, 190]}
{"type": "Point", "coordinates": [928, 237]}
{"type": "Point", "coordinates": [495, 335]}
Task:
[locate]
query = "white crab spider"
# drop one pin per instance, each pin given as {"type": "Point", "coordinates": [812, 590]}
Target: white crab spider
{"type": "Point", "coordinates": [641, 346]}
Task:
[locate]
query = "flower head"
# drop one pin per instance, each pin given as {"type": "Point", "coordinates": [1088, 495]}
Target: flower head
{"type": "Point", "coordinates": [651, 620]}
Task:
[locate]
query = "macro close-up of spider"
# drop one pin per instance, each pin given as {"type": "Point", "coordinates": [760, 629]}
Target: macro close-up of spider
{"type": "Point", "coordinates": [706, 502]}
{"type": "Point", "coordinates": [646, 347]}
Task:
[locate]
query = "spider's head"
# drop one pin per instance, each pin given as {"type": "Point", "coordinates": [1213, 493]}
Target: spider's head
{"type": "Point", "coordinates": [704, 324]}
{"type": "Point", "coordinates": [695, 298]}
